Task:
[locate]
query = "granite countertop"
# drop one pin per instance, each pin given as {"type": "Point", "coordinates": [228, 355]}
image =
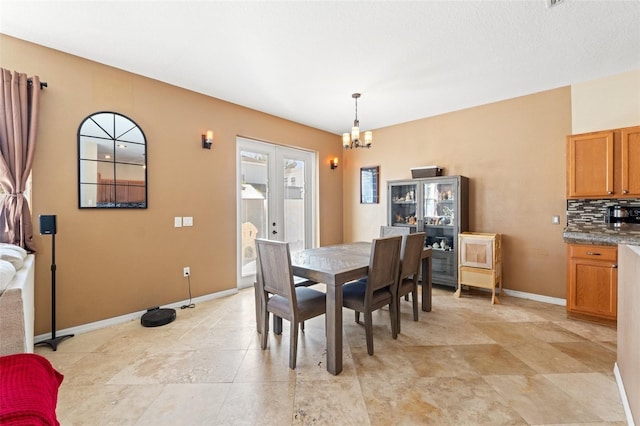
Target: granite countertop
{"type": "Point", "coordinates": [602, 234]}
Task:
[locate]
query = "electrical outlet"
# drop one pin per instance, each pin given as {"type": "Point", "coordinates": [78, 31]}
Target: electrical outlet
{"type": "Point", "coordinates": [186, 271]}
{"type": "Point", "coordinates": [555, 220]}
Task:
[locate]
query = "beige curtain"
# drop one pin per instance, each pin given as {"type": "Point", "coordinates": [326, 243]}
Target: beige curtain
{"type": "Point", "coordinates": [19, 104]}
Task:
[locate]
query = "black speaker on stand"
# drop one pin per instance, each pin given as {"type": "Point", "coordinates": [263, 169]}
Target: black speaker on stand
{"type": "Point", "coordinates": [48, 227]}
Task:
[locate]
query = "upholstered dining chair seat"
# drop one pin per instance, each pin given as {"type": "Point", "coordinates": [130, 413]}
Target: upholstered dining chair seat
{"type": "Point", "coordinates": [311, 303]}
{"type": "Point", "coordinates": [353, 295]}
{"type": "Point", "coordinates": [277, 321]}
{"type": "Point", "coordinates": [406, 287]}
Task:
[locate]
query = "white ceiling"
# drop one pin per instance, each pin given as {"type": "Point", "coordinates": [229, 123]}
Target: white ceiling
{"type": "Point", "coordinates": [303, 60]}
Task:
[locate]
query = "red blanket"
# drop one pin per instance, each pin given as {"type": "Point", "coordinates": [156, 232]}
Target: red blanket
{"type": "Point", "coordinates": [28, 390]}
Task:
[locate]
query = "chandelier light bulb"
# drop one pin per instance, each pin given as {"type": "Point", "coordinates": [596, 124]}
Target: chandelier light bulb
{"type": "Point", "coordinates": [346, 140]}
{"type": "Point", "coordinates": [368, 138]}
{"type": "Point", "coordinates": [355, 134]}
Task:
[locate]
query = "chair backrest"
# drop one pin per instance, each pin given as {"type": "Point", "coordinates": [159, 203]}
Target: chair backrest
{"type": "Point", "coordinates": [384, 264]}
{"type": "Point", "coordinates": [273, 265]}
{"type": "Point", "coordinates": [392, 231]}
{"type": "Point", "coordinates": [411, 254]}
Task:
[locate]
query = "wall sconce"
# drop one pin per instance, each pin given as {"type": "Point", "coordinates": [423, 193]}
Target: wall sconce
{"type": "Point", "coordinates": [207, 139]}
{"type": "Point", "coordinates": [334, 163]}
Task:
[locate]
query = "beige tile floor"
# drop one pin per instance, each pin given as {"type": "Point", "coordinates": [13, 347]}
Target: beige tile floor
{"type": "Point", "coordinates": [465, 363]}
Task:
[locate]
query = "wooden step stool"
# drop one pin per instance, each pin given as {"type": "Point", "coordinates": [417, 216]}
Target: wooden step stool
{"type": "Point", "coordinates": [480, 262]}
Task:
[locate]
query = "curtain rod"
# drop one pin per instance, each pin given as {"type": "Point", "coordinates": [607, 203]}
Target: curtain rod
{"type": "Point", "coordinates": [43, 84]}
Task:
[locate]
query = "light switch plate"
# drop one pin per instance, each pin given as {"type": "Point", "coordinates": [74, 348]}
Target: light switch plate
{"type": "Point", "coordinates": [555, 220]}
{"type": "Point", "coordinates": [187, 221]}
{"type": "Point", "coordinates": [177, 222]}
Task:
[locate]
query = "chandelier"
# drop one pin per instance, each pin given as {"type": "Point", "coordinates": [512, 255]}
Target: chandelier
{"type": "Point", "coordinates": [352, 140]}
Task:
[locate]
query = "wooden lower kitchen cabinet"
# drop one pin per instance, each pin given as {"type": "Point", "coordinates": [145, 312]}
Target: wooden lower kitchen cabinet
{"type": "Point", "coordinates": [592, 282]}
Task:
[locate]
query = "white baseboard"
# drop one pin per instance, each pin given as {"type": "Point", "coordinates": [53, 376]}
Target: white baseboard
{"type": "Point", "coordinates": [536, 297]}
{"type": "Point", "coordinates": [623, 395]}
{"type": "Point", "coordinates": [132, 316]}
{"type": "Point", "coordinates": [530, 296]}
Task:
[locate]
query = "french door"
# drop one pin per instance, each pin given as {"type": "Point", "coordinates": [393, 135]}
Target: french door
{"type": "Point", "coordinates": [276, 200]}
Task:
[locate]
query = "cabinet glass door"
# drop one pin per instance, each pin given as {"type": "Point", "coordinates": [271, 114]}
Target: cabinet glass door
{"type": "Point", "coordinates": [440, 227]}
{"type": "Point", "coordinates": [403, 205]}
{"type": "Point", "coordinates": [439, 214]}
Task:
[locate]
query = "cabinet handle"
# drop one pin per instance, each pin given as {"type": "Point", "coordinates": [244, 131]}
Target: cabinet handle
{"type": "Point", "coordinates": [614, 266]}
{"type": "Point", "coordinates": [591, 253]}
{"type": "Point", "coordinates": [609, 192]}
{"type": "Point", "coordinates": [624, 191]}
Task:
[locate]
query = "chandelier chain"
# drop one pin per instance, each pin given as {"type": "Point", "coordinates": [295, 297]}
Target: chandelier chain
{"type": "Point", "coordinates": [356, 120]}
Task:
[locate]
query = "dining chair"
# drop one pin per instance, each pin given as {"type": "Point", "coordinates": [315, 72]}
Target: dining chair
{"type": "Point", "coordinates": [378, 289]}
{"type": "Point", "coordinates": [410, 257]}
{"type": "Point", "coordinates": [258, 288]}
{"type": "Point", "coordinates": [280, 296]}
{"type": "Point", "coordinates": [392, 231]}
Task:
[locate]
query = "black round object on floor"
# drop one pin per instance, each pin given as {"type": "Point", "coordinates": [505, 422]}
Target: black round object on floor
{"type": "Point", "coordinates": [156, 317]}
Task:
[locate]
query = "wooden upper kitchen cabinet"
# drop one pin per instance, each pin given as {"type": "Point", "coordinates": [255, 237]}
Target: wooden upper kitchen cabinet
{"type": "Point", "coordinates": [630, 158]}
{"type": "Point", "coordinates": [604, 164]}
{"type": "Point", "coordinates": [592, 282]}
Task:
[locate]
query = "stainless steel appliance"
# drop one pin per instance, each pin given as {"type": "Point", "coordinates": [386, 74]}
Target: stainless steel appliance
{"type": "Point", "coordinates": [618, 215]}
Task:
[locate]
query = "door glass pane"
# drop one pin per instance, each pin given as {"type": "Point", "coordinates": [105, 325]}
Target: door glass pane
{"type": "Point", "coordinates": [253, 206]}
{"type": "Point", "coordinates": [294, 205]}
{"type": "Point", "coordinates": [439, 215]}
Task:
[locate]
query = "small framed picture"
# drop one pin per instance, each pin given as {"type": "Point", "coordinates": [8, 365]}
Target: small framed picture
{"type": "Point", "coordinates": [369, 185]}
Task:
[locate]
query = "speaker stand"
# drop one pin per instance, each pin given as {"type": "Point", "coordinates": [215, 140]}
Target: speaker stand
{"type": "Point", "coordinates": [54, 341]}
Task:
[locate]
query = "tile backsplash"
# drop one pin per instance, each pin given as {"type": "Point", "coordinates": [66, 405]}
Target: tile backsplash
{"type": "Point", "coordinates": [594, 211]}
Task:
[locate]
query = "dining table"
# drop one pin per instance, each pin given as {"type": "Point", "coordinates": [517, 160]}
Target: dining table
{"type": "Point", "coordinates": [336, 265]}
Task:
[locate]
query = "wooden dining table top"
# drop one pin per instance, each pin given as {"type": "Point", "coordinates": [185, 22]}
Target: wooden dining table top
{"type": "Point", "coordinates": [333, 265]}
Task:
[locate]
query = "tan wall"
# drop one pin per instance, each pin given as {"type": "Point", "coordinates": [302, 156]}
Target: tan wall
{"type": "Point", "coordinates": [113, 262]}
{"type": "Point", "coordinates": [514, 154]}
